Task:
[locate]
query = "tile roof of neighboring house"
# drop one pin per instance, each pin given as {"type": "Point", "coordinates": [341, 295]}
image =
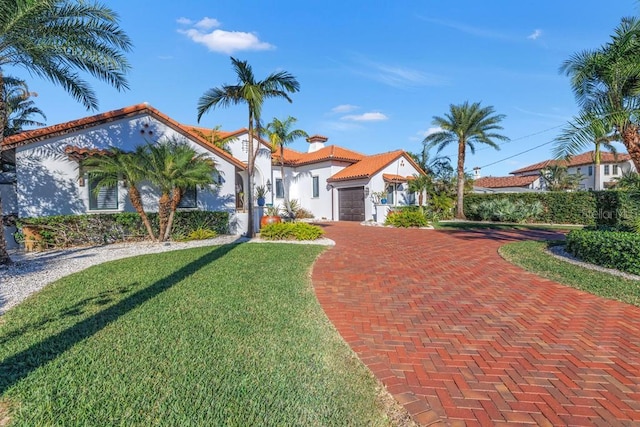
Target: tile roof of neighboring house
{"type": "Point", "coordinates": [370, 165]}
{"type": "Point", "coordinates": [40, 134]}
{"type": "Point", "coordinates": [505, 181]}
{"type": "Point", "coordinates": [331, 152]}
{"type": "Point", "coordinates": [80, 153]}
{"type": "Point", "coordinates": [577, 160]}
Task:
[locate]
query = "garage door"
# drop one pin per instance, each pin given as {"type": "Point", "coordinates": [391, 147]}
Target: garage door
{"type": "Point", "coordinates": [351, 203]}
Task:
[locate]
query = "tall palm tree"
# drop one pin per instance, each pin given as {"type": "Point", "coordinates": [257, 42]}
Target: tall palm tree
{"type": "Point", "coordinates": [466, 125]}
{"type": "Point", "coordinates": [606, 83]}
{"type": "Point", "coordinates": [58, 39]}
{"type": "Point", "coordinates": [107, 169]}
{"type": "Point", "coordinates": [19, 106]}
{"type": "Point", "coordinates": [252, 92]}
{"type": "Point", "coordinates": [279, 133]}
{"type": "Point", "coordinates": [173, 166]}
{"type": "Point", "coordinates": [585, 130]}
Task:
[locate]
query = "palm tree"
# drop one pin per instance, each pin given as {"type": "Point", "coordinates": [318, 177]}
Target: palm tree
{"type": "Point", "coordinates": [280, 134]}
{"type": "Point", "coordinates": [606, 83]}
{"type": "Point", "coordinates": [421, 184]}
{"type": "Point", "coordinates": [466, 125]}
{"type": "Point", "coordinates": [19, 106]}
{"type": "Point", "coordinates": [174, 166]}
{"type": "Point", "coordinates": [557, 178]}
{"type": "Point", "coordinates": [114, 165]}
{"type": "Point", "coordinates": [583, 131]}
{"type": "Point", "coordinates": [252, 92]}
{"type": "Point", "coordinates": [57, 39]}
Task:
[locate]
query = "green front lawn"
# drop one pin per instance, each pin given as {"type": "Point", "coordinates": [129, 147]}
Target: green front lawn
{"type": "Point", "coordinates": [532, 257]}
{"type": "Point", "coordinates": [230, 335]}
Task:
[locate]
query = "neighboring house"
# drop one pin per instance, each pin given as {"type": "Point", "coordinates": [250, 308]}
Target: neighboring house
{"type": "Point", "coordinates": [331, 182]}
{"type": "Point", "coordinates": [529, 178]}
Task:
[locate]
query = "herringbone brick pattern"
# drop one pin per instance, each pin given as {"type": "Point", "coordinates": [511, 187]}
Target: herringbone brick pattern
{"type": "Point", "coordinates": [461, 337]}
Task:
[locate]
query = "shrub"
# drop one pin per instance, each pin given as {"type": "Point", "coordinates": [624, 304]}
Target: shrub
{"type": "Point", "coordinates": [406, 218]}
{"type": "Point", "coordinates": [63, 231]}
{"type": "Point", "coordinates": [613, 249]}
{"type": "Point", "coordinates": [201, 234]}
{"type": "Point", "coordinates": [291, 231]}
{"type": "Point", "coordinates": [505, 210]}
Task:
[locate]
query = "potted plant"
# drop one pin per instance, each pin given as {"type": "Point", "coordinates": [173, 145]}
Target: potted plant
{"type": "Point", "coordinates": [379, 197]}
{"type": "Point", "coordinates": [271, 216]}
{"type": "Point", "coordinates": [261, 192]}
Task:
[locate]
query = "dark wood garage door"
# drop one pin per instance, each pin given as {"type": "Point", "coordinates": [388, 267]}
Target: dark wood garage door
{"type": "Point", "coordinates": [351, 203]}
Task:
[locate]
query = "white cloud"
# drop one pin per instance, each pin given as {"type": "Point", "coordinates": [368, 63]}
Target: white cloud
{"type": "Point", "coordinates": [395, 75]}
{"type": "Point", "coordinates": [431, 131]}
{"type": "Point", "coordinates": [344, 108]}
{"type": "Point", "coordinates": [366, 117]}
{"type": "Point", "coordinates": [422, 134]}
{"type": "Point", "coordinates": [469, 29]}
{"type": "Point", "coordinates": [535, 35]}
{"type": "Point", "coordinates": [220, 40]}
{"type": "Point", "coordinates": [227, 41]}
{"type": "Point", "coordinates": [207, 23]}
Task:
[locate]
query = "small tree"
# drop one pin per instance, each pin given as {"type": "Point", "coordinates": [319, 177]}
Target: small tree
{"type": "Point", "coordinates": [557, 178]}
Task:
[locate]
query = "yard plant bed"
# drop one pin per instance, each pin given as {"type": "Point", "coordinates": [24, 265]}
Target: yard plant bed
{"type": "Point", "coordinates": [532, 257]}
{"type": "Point", "coordinates": [227, 335]}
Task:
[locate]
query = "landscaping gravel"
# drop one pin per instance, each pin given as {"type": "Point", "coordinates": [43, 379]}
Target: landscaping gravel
{"type": "Point", "coordinates": [32, 271]}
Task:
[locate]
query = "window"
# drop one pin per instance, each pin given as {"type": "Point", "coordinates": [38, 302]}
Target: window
{"type": "Point", "coordinates": [189, 199]}
{"type": "Point", "coordinates": [279, 188]}
{"type": "Point", "coordinates": [106, 198]}
{"type": "Point", "coordinates": [615, 169]}
{"type": "Point", "coordinates": [390, 193]}
{"type": "Point", "coordinates": [316, 186]}
{"type": "Point", "coordinates": [590, 170]}
{"type": "Point", "coordinates": [606, 169]}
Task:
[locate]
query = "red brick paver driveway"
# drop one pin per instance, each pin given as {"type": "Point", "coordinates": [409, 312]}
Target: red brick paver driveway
{"type": "Point", "coordinates": [461, 337]}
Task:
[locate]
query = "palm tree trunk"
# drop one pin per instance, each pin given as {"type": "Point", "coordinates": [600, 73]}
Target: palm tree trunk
{"type": "Point", "coordinates": [596, 176]}
{"type": "Point", "coordinates": [250, 231]}
{"type": "Point", "coordinates": [136, 201]}
{"type": "Point", "coordinates": [460, 207]}
{"type": "Point", "coordinates": [631, 140]}
{"type": "Point", "coordinates": [5, 259]}
{"type": "Point", "coordinates": [164, 209]}
{"type": "Point", "coordinates": [175, 201]}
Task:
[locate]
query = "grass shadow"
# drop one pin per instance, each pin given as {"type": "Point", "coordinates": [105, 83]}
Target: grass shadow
{"type": "Point", "coordinates": [510, 235]}
{"type": "Point", "coordinates": [18, 366]}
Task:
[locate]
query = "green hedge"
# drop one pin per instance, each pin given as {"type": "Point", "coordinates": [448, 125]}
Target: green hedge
{"type": "Point", "coordinates": [612, 249]}
{"type": "Point", "coordinates": [291, 231]}
{"type": "Point", "coordinates": [77, 230]}
{"type": "Point", "coordinates": [611, 208]}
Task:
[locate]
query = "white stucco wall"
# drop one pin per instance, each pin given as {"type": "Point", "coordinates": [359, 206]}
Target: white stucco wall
{"type": "Point", "coordinates": [48, 181]}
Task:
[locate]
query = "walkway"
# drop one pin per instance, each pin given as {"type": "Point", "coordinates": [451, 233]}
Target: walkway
{"type": "Point", "coordinates": [461, 337]}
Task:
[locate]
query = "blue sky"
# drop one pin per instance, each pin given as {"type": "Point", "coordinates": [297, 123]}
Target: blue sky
{"type": "Point", "coordinates": [372, 74]}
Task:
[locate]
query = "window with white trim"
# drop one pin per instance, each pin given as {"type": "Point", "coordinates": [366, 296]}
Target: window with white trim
{"type": "Point", "coordinates": [606, 169]}
{"type": "Point", "coordinates": [316, 186]}
{"type": "Point", "coordinates": [189, 199]}
{"type": "Point", "coordinates": [104, 199]}
{"type": "Point", "coordinates": [615, 170]}
{"type": "Point", "coordinates": [279, 189]}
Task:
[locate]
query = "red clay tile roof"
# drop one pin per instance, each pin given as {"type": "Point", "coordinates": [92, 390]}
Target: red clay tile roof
{"type": "Point", "coordinates": [505, 181]}
{"type": "Point", "coordinates": [369, 166]}
{"type": "Point", "coordinates": [40, 134]}
{"type": "Point", "coordinates": [317, 138]}
{"type": "Point", "coordinates": [331, 152]}
{"type": "Point", "coordinates": [577, 160]}
{"type": "Point", "coordinates": [389, 177]}
{"type": "Point", "coordinates": [79, 153]}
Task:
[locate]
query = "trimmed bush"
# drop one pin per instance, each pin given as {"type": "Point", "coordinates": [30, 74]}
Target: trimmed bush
{"type": "Point", "coordinates": [620, 209]}
{"type": "Point", "coordinates": [505, 210]}
{"type": "Point", "coordinates": [612, 249]}
{"type": "Point", "coordinates": [406, 218]}
{"type": "Point", "coordinates": [291, 231]}
{"type": "Point", "coordinates": [64, 231]}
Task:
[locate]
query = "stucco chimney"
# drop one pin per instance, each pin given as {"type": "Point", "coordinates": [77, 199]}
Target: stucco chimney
{"type": "Point", "coordinates": [476, 172]}
{"type": "Point", "coordinates": [316, 142]}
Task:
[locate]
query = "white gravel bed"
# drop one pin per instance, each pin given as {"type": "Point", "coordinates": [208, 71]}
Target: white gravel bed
{"type": "Point", "coordinates": [32, 271]}
{"type": "Point", "coordinates": [560, 253]}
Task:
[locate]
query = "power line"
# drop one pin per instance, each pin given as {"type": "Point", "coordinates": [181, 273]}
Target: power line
{"type": "Point", "coordinates": [526, 136]}
{"type": "Point", "coordinates": [518, 154]}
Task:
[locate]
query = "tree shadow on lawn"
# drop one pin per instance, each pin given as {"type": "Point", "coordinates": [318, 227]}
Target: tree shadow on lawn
{"type": "Point", "coordinates": [18, 366]}
{"type": "Point", "coordinates": [504, 235]}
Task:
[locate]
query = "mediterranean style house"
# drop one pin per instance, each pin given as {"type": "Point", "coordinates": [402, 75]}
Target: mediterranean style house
{"type": "Point", "coordinates": [42, 171]}
{"type": "Point", "coordinates": [529, 178]}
